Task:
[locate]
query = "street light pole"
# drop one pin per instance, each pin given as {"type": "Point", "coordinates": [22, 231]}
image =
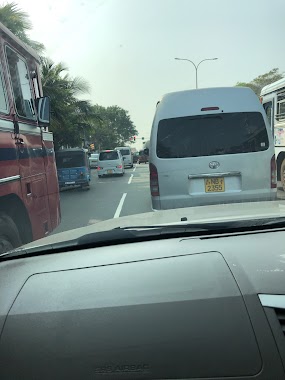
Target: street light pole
{"type": "Point", "coordinates": [196, 66]}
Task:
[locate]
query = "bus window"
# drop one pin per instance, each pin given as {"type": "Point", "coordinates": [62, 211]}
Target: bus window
{"type": "Point", "coordinates": [21, 85]}
{"type": "Point", "coordinates": [268, 110]}
{"type": "Point", "coordinates": [36, 85]}
{"type": "Point", "coordinates": [3, 99]}
{"type": "Point", "coordinates": [280, 115]}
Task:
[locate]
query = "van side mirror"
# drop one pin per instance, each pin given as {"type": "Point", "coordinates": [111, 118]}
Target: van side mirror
{"type": "Point", "coordinates": [44, 110]}
{"type": "Point", "coordinates": [146, 151]}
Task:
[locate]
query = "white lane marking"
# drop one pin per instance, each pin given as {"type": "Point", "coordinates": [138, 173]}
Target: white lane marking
{"type": "Point", "coordinates": [120, 206]}
{"type": "Point", "coordinates": [130, 179]}
{"type": "Point", "coordinates": [134, 169]}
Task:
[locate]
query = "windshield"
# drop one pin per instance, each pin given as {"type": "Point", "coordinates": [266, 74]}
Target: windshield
{"type": "Point", "coordinates": [125, 152]}
{"type": "Point", "coordinates": [70, 160]}
{"type": "Point", "coordinates": [211, 135]}
{"type": "Point", "coordinates": [104, 156]}
{"type": "Point", "coordinates": [111, 110]}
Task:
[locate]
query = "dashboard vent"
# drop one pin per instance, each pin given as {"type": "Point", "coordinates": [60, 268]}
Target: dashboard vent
{"type": "Point", "coordinates": [280, 313]}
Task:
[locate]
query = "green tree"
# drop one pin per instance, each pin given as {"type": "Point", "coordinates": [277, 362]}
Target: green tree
{"type": "Point", "coordinates": [71, 119]}
{"type": "Point", "coordinates": [68, 114]}
{"type": "Point", "coordinates": [115, 127]}
{"type": "Point", "coordinates": [18, 22]}
{"type": "Point", "coordinates": [262, 80]}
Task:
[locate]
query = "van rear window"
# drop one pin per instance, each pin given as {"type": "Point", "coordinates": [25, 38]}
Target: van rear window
{"type": "Point", "coordinates": [209, 135]}
{"type": "Point", "coordinates": [125, 152]}
{"type": "Point", "coordinates": [105, 156]}
{"type": "Point", "coordinates": [67, 160]}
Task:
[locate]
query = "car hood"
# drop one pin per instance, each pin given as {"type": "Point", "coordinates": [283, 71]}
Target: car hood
{"type": "Point", "coordinates": [193, 215]}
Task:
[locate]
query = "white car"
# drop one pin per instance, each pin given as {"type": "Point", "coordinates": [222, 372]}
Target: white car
{"type": "Point", "coordinates": [93, 160]}
{"type": "Point", "coordinates": [110, 162]}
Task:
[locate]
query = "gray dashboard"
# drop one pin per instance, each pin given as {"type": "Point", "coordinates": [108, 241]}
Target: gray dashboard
{"type": "Point", "coordinates": [190, 308]}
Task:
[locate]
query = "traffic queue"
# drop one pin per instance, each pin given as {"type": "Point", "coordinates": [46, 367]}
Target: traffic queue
{"type": "Point", "coordinates": [74, 164]}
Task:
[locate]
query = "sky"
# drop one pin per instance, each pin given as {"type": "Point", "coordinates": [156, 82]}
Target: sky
{"type": "Point", "coordinates": [125, 49]}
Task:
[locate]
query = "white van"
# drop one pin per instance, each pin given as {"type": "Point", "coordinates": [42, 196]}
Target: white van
{"type": "Point", "coordinates": [127, 155]}
{"type": "Point", "coordinates": [211, 146]}
{"type": "Point", "coordinates": [110, 162]}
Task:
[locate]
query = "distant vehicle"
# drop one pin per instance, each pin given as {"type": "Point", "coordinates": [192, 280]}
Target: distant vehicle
{"type": "Point", "coordinates": [73, 168]}
{"type": "Point", "coordinates": [135, 157]}
{"type": "Point", "coordinates": [127, 155]}
{"type": "Point", "coordinates": [93, 160]}
{"type": "Point", "coordinates": [110, 162]}
{"type": "Point", "coordinates": [211, 146]}
{"type": "Point", "coordinates": [143, 157]}
{"type": "Point", "coordinates": [273, 99]}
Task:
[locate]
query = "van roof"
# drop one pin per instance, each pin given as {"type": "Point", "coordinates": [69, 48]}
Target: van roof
{"type": "Point", "coordinates": [191, 102]}
{"type": "Point", "coordinates": [273, 87]}
{"type": "Point", "coordinates": [28, 49]}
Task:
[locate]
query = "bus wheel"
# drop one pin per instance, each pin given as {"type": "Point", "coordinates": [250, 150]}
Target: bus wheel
{"type": "Point", "coordinates": [282, 174]}
{"type": "Point", "coordinates": [9, 234]}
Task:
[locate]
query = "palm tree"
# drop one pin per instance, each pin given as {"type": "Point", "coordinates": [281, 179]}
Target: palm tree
{"type": "Point", "coordinates": [18, 22]}
{"type": "Point", "coordinates": [67, 112]}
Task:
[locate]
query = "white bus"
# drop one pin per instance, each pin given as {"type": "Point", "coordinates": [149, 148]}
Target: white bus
{"type": "Point", "coordinates": [272, 97]}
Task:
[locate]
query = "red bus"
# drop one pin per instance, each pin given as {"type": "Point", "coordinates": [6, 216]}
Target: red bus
{"type": "Point", "coordinates": [29, 193]}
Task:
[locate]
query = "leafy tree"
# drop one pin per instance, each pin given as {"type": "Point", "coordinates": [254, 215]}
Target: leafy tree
{"type": "Point", "coordinates": [71, 119]}
{"type": "Point", "coordinates": [68, 114]}
{"type": "Point", "coordinates": [18, 22]}
{"type": "Point", "coordinates": [262, 80]}
{"type": "Point", "coordinates": [114, 129]}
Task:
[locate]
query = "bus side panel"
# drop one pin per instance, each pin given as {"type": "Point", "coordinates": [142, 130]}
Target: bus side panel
{"type": "Point", "coordinates": [8, 153]}
{"type": "Point", "coordinates": [8, 163]}
{"type": "Point", "coordinates": [51, 179]}
{"type": "Point", "coordinates": [33, 179]}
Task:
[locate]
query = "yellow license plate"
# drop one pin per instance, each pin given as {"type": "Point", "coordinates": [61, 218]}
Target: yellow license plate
{"type": "Point", "coordinates": [215, 185]}
{"type": "Point", "coordinates": [110, 171]}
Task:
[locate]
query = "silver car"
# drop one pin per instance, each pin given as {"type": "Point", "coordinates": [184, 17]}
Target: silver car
{"type": "Point", "coordinates": [110, 162]}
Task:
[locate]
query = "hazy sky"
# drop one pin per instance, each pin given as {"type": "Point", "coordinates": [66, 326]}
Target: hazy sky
{"type": "Point", "coordinates": [125, 49]}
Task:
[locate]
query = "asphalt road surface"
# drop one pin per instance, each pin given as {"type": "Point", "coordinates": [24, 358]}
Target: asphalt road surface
{"type": "Point", "coordinates": [107, 198]}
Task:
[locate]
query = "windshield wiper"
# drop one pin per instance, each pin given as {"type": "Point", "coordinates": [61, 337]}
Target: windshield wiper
{"type": "Point", "coordinates": [99, 239]}
{"type": "Point", "coordinates": [242, 224]}
{"type": "Point", "coordinates": [131, 234]}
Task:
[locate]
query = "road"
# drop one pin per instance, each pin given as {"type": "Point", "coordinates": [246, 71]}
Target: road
{"type": "Point", "coordinates": [107, 198]}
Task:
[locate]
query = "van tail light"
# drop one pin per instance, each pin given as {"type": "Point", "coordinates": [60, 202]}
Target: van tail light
{"type": "Point", "coordinates": [273, 173]}
{"type": "Point", "coordinates": [153, 176]}
{"type": "Point", "coordinates": [119, 166]}
{"type": "Point", "coordinates": [99, 168]}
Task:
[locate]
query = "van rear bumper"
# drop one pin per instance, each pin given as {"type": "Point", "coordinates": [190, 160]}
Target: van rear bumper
{"type": "Point", "coordinates": [167, 203]}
